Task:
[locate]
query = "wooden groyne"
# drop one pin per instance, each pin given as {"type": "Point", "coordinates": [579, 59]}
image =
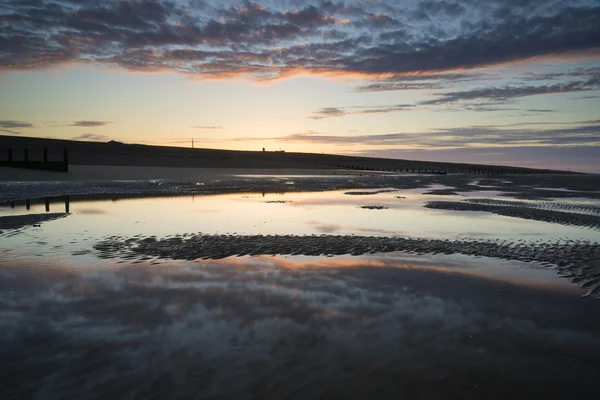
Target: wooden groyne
{"type": "Point", "coordinates": [436, 168]}
{"type": "Point", "coordinates": [47, 201]}
{"type": "Point", "coordinates": [15, 160]}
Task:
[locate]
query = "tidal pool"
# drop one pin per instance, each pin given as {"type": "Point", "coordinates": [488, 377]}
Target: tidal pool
{"type": "Point", "coordinates": [401, 213]}
{"type": "Point", "coordinates": [155, 321]}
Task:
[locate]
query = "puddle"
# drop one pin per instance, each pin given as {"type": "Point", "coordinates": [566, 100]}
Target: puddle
{"type": "Point", "coordinates": [215, 328]}
{"type": "Point", "coordinates": [157, 321]}
{"type": "Point", "coordinates": [290, 213]}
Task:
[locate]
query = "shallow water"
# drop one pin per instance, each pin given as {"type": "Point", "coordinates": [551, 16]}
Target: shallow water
{"type": "Point", "coordinates": [333, 212]}
{"type": "Point", "coordinates": [386, 325]}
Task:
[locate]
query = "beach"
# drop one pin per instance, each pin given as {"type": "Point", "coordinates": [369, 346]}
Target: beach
{"type": "Point", "coordinates": [281, 282]}
{"type": "Point", "coordinates": [299, 200]}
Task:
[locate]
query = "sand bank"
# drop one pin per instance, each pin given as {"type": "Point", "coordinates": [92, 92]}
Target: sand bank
{"type": "Point", "coordinates": [577, 260]}
{"type": "Point", "coordinates": [10, 222]}
{"type": "Point", "coordinates": [528, 211]}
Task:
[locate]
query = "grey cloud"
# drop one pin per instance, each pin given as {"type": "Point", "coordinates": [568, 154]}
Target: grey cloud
{"type": "Point", "coordinates": [589, 73]}
{"type": "Point", "coordinates": [378, 37]}
{"type": "Point", "coordinates": [90, 124]}
{"type": "Point", "coordinates": [498, 95]}
{"type": "Point", "coordinates": [578, 158]}
{"type": "Point", "coordinates": [419, 82]}
{"type": "Point", "coordinates": [446, 8]}
{"type": "Point", "coordinates": [475, 136]}
{"type": "Point", "coordinates": [91, 136]}
{"type": "Point", "coordinates": [10, 124]}
{"type": "Point", "coordinates": [309, 15]}
{"type": "Point", "coordinates": [329, 112]}
{"type": "Point", "coordinates": [379, 21]}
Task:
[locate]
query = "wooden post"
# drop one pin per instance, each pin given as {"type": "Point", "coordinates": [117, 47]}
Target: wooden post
{"type": "Point", "coordinates": [28, 204]}
{"type": "Point", "coordinates": [45, 154]}
{"type": "Point", "coordinates": [67, 203]}
{"type": "Point", "coordinates": [26, 154]}
{"type": "Point", "coordinates": [66, 160]}
{"type": "Point", "coordinates": [47, 201]}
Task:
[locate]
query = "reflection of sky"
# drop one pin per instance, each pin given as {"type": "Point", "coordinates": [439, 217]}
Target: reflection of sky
{"type": "Point", "coordinates": [292, 213]}
{"type": "Point", "coordinates": [235, 326]}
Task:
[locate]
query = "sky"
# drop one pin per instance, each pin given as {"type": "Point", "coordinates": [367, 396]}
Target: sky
{"type": "Point", "coordinates": [512, 82]}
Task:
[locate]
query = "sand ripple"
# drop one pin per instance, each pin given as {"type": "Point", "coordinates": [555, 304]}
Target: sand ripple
{"type": "Point", "coordinates": [546, 205]}
{"type": "Point", "coordinates": [521, 211]}
{"type": "Point", "coordinates": [21, 221]}
{"type": "Point", "coordinates": [578, 260]}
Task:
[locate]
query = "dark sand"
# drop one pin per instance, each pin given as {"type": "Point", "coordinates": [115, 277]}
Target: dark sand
{"type": "Point", "coordinates": [20, 221]}
{"type": "Point", "coordinates": [525, 211]}
{"type": "Point", "coordinates": [577, 260]}
{"type": "Point", "coordinates": [140, 181]}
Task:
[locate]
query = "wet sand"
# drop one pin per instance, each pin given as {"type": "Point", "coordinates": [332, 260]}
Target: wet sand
{"type": "Point", "coordinates": [577, 260]}
{"type": "Point", "coordinates": [373, 313]}
{"type": "Point", "coordinates": [142, 181]}
{"type": "Point", "coordinates": [89, 173]}
{"type": "Point", "coordinates": [526, 211]}
{"type": "Point", "coordinates": [21, 221]}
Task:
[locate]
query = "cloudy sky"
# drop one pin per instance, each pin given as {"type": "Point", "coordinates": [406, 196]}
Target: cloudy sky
{"type": "Point", "coordinates": [497, 81]}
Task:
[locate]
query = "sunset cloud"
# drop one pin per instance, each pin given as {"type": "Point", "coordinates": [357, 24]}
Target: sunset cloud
{"type": "Point", "coordinates": [267, 40]}
{"type": "Point", "coordinates": [13, 127]}
{"type": "Point", "coordinates": [503, 94]}
{"type": "Point", "coordinates": [91, 137]}
{"type": "Point", "coordinates": [329, 112]}
{"type": "Point", "coordinates": [90, 124]}
{"type": "Point", "coordinates": [585, 133]}
{"type": "Point", "coordinates": [9, 124]}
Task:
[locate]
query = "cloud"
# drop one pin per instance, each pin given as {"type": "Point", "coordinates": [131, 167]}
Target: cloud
{"type": "Point", "coordinates": [91, 137]}
{"type": "Point", "coordinates": [479, 98]}
{"type": "Point", "coordinates": [577, 158]}
{"type": "Point", "coordinates": [90, 124]}
{"type": "Point", "coordinates": [499, 95]}
{"type": "Point", "coordinates": [9, 124]}
{"type": "Point", "coordinates": [419, 82]}
{"type": "Point", "coordinates": [266, 40]}
{"type": "Point", "coordinates": [208, 127]}
{"type": "Point", "coordinates": [497, 136]}
{"type": "Point", "coordinates": [329, 112]}
{"type": "Point", "coordinates": [13, 127]}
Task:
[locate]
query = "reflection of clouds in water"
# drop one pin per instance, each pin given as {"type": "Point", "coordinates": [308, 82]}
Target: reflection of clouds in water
{"type": "Point", "coordinates": [230, 325]}
{"type": "Point", "coordinates": [91, 211]}
{"type": "Point", "coordinates": [325, 228]}
{"type": "Point", "coordinates": [331, 228]}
